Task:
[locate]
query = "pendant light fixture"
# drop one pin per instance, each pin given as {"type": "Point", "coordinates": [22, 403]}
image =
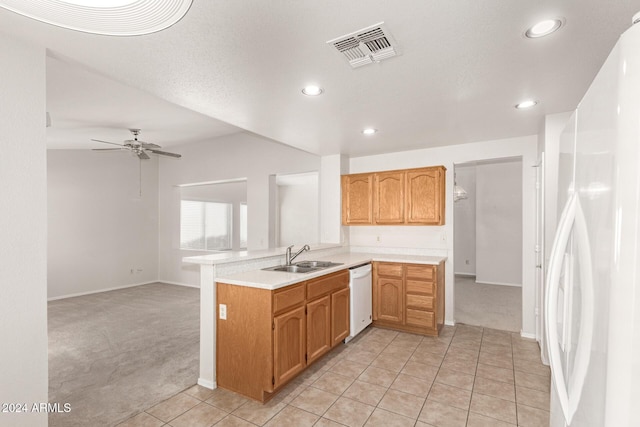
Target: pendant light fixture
{"type": "Point", "coordinates": [459, 193]}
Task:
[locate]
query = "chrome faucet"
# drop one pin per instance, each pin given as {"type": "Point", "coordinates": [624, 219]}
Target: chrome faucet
{"type": "Point", "coordinates": [289, 258]}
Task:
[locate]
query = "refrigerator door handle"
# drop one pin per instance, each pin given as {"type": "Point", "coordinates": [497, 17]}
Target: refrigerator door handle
{"type": "Point", "coordinates": [569, 394]}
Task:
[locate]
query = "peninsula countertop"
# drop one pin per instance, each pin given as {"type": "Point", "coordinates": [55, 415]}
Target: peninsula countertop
{"type": "Point", "coordinates": [272, 280]}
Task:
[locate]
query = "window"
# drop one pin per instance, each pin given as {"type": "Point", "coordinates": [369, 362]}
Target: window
{"type": "Point", "coordinates": [205, 225]}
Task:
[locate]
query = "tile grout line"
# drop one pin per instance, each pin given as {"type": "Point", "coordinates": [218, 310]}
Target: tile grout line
{"type": "Point", "coordinates": [515, 387]}
{"type": "Point", "coordinates": [388, 388]}
{"type": "Point", "coordinates": [475, 375]}
{"type": "Point", "coordinates": [437, 372]}
{"type": "Point", "coordinates": [396, 377]}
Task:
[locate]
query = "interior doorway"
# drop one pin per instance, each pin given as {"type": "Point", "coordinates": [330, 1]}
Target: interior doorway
{"type": "Point", "coordinates": [488, 243]}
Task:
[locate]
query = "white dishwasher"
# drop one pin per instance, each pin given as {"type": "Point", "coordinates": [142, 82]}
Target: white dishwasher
{"type": "Point", "coordinates": [361, 303]}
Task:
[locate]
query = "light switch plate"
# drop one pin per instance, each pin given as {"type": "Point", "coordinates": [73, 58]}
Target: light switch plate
{"type": "Point", "coordinates": [223, 311]}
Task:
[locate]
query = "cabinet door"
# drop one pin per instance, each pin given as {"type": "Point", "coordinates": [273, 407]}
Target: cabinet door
{"type": "Point", "coordinates": [390, 300]}
{"type": "Point", "coordinates": [288, 345]}
{"type": "Point", "coordinates": [318, 328]}
{"type": "Point", "coordinates": [339, 316]}
{"type": "Point", "coordinates": [425, 196]}
{"type": "Point", "coordinates": [388, 199]}
{"type": "Point", "coordinates": [357, 203]}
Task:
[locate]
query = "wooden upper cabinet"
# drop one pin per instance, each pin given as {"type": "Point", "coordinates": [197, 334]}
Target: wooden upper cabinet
{"type": "Point", "coordinates": [425, 196]}
{"type": "Point", "coordinates": [401, 197]}
{"type": "Point", "coordinates": [388, 197]}
{"type": "Point", "coordinates": [357, 199]}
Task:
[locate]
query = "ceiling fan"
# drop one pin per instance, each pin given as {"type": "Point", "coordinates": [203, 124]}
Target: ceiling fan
{"type": "Point", "coordinates": [140, 148]}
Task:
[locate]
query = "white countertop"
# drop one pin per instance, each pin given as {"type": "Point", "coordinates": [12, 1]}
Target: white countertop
{"type": "Point", "coordinates": [272, 280]}
{"type": "Point", "coordinates": [239, 256]}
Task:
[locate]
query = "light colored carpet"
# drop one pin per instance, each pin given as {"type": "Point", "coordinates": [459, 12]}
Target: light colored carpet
{"type": "Point", "coordinates": [115, 353]}
{"type": "Point", "coordinates": [490, 306]}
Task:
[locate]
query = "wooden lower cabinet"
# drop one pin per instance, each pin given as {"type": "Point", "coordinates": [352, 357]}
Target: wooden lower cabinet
{"type": "Point", "coordinates": [409, 297]}
{"type": "Point", "coordinates": [339, 316]}
{"type": "Point", "coordinates": [318, 328]}
{"type": "Point", "coordinates": [269, 337]}
{"type": "Point", "coordinates": [390, 297]}
{"type": "Point", "coordinates": [288, 345]}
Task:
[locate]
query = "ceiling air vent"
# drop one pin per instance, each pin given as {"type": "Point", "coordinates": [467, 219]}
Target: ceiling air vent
{"type": "Point", "coordinates": [365, 46]}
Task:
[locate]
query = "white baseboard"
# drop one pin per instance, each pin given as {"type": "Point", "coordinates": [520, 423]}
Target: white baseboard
{"type": "Point", "coordinates": [178, 284]}
{"type": "Point", "coordinates": [450, 323]}
{"type": "Point", "coordinates": [484, 282]}
{"type": "Point", "coordinates": [527, 335]}
{"type": "Point", "coordinates": [465, 274]}
{"type": "Point", "coordinates": [79, 294]}
{"type": "Point", "coordinates": [207, 384]}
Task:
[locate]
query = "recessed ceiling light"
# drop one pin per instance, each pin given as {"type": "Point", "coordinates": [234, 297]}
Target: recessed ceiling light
{"type": "Point", "coordinates": [526, 104]}
{"type": "Point", "coordinates": [110, 18]}
{"type": "Point", "coordinates": [544, 28]}
{"type": "Point", "coordinates": [369, 131]}
{"type": "Point", "coordinates": [312, 90]}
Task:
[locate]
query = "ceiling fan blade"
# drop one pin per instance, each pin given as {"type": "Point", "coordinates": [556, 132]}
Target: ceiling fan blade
{"type": "Point", "coordinates": [150, 145]}
{"type": "Point", "coordinates": [165, 153]}
{"type": "Point", "coordinates": [142, 155]}
{"type": "Point", "coordinates": [107, 149]}
{"type": "Point", "coordinates": [107, 142]}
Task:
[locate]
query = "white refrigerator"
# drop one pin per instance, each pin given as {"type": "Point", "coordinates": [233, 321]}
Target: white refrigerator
{"type": "Point", "coordinates": [592, 293]}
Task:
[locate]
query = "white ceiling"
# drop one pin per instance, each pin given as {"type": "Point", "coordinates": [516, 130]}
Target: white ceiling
{"type": "Point", "coordinates": [462, 67]}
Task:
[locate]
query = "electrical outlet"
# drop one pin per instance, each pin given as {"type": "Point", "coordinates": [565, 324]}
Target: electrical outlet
{"type": "Point", "coordinates": [223, 311]}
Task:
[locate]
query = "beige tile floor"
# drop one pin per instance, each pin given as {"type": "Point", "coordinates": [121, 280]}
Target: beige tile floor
{"type": "Point", "coordinates": [468, 376]}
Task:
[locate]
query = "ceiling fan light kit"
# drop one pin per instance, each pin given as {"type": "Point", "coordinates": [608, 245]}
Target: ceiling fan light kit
{"type": "Point", "coordinates": [139, 148]}
{"type": "Point", "coordinates": [111, 18]}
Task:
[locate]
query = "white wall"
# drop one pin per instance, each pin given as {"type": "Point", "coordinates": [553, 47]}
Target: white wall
{"type": "Point", "coordinates": [554, 124]}
{"type": "Point", "coordinates": [331, 229]}
{"type": "Point", "coordinates": [100, 228]}
{"type": "Point", "coordinates": [465, 222]}
{"type": "Point", "coordinates": [23, 227]}
{"type": "Point", "coordinates": [440, 238]}
{"type": "Point", "coordinates": [499, 223]}
{"type": "Point", "coordinates": [241, 155]}
{"type": "Point", "coordinates": [298, 211]}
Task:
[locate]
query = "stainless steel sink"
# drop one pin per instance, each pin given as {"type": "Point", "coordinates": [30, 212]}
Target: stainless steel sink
{"type": "Point", "coordinates": [318, 264]}
{"type": "Point", "coordinates": [292, 269]}
{"type": "Point", "coordinates": [303, 266]}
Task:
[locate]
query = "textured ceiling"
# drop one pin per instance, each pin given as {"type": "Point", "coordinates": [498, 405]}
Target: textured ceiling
{"type": "Point", "coordinates": [462, 66]}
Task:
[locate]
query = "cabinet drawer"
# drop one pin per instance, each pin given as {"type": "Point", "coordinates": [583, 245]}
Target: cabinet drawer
{"type": "Point", "coordinates": [422, 302]}
{"type": "Point", "coordinates": [419, 287]}
{"type": "Point", "coordinates": [419, 318]}
{"type": "Point", "coordinates": [389, 269]}
{"type": "Point", "coordinates": [421, 272]}
{"type": "Point", "coordinates": [327, 284]}
{"type": "Point", "coordinates": [288, 297]}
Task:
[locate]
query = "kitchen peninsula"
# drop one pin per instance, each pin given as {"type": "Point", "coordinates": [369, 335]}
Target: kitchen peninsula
{"type": "Point", "coordinates": [243, 270]}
